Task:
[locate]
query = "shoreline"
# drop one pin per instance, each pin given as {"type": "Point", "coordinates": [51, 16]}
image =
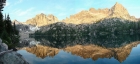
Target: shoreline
{"type": "Point", "coordinates": [10, 56]}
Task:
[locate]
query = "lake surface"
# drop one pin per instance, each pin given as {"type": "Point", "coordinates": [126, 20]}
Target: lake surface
{"type": "Point", "coordinates": [120, 49]}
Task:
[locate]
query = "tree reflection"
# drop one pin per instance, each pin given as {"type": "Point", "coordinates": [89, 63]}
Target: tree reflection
{"type": "Point", "coordinates": [107, 41]}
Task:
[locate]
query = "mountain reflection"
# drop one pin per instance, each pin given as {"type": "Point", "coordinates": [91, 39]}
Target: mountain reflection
{"type": "Point", "coordinates": [95, 52]}
{"type": "Point", "coordinates": [85, 51]}
{"type": "Point", "coordinates": [42, 51]}
{"type": "Point", "coordinates": [95, 47]}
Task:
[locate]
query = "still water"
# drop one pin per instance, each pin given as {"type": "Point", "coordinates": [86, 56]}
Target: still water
{"type": "Point", "coordinates": [121, 49]}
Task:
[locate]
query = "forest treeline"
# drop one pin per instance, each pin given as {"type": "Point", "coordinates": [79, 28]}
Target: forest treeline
{"type": "Point", "coordinates": [113, 26]}
{"type": "Point", "coordinates": [8, 32]}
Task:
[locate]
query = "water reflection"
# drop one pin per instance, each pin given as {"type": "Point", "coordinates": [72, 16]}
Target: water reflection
{"type": "Point", "coordinates": [42, 51]}
{"type": "Point", "coordinates": [85, 51]}
{"type": "Point", "coordinates": [85, 48]}
{"type": "Point", "coordinates": [108, 41]}
{"type": "Point", "coordinates": [95, 52]}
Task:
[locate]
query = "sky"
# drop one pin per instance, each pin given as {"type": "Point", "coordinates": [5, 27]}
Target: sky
{"type": "Point", "coordinates": [23, 10]}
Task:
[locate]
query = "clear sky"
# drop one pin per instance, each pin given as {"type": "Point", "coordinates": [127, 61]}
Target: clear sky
{"type": "Point", "coordinates": [26, 9]}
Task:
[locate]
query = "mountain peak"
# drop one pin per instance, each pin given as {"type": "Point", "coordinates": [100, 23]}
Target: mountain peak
{"type": "Point", "coordinates": [118, 10]}
{"type": "Point", "coordinates": [93, 15]}
{"type": "Point", "coordinates": [42, 19]}
{"type": "Point", "coordinates": [41, 14]}
{"type": "Point", "coordinates": [117, 3]}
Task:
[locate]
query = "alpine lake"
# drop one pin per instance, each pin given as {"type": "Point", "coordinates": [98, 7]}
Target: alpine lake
{"type": "Point", "coordinates": [104, 49]}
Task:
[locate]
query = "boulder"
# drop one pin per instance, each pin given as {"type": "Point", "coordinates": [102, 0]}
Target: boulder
{"type": "Point", "coordinates": [12, 58]}
{"type": "Point", "coordinates": [3, 46]}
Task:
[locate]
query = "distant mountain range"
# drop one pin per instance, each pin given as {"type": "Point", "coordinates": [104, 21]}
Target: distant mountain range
{"type": "Point", "coordinates": [86, 16]}
{"type": "Point", "coordinates": [93, 15]}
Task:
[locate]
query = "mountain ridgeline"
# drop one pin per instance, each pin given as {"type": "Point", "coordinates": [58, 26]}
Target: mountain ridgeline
{"type": "Point", "coordinates": [92, 15]}
{"type": "Point", "coordinates": [115, 20]}
{"type": "Point", "coordinates": [42, 19]}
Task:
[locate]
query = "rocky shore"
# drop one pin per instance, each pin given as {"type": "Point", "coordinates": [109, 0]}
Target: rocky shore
{"type": "Point", "coordinates": [9, 56]}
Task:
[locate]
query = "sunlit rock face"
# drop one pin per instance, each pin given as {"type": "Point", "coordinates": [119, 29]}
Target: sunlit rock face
{"type": "Point", "coordinates": [42, 20]}
{"type": "Point", "coordinates": [120, 12]}
{"type": "Point", "coordinates": [93, 15]}
{"type": "Point", "coordinates": [42, 51]}
{"type": "Point", "coordinates": [95, 52]}
{"type": "Point", "coordinates": [86, 16]}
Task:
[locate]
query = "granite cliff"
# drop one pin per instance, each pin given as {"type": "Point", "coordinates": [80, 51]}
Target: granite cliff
{"type": "Point", "coordinates": [42, 20]}
{"type": "Point", "coordinates": [92, 15]}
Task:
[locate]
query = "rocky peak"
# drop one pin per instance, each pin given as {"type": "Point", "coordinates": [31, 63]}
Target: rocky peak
{"type": "Point", "coordinates": [52, 18]}
{"type": "Point", "coordinates": [104, 11]}
{"type": "Point", "coordinates": [119, 11]}
{"type": "Point", "coordinates": [93, 15]}
{"type": "Point", "coordinates": [92, 10]}
{"type": "Point", "coordinates": [41, 14]}
{"type": "Point", "coordinates": [42, 19]}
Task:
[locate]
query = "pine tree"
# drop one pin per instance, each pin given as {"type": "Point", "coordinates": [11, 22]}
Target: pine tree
{"type": "Point", "coordinates": [9, 34]}
{"type": "Point", "coordinates": [1, 23]}
{"type": "Point", "coordinates": [8, 25]}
